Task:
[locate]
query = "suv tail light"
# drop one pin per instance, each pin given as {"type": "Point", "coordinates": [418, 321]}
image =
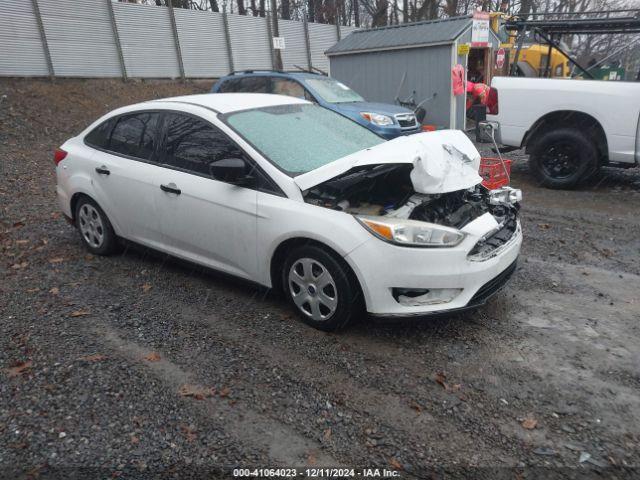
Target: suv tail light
{"type": "Point", "coordinates": [59, 155]}
{"type": "Point", "coordinates": [492, 101]}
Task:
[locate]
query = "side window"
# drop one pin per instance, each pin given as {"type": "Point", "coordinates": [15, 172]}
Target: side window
{"type": "Point", "coordinates": [99, 136]}
{"type": "Point", "coordinates": [192, 144]}
{"type": "Point", "coordinates": [231, 85]}
{"type": "Point", "coordinates": [254, 85]}
{"type": "Point", "coordinates": [135, 135]}
{"type": "Point", "coordinates": [282, 86]}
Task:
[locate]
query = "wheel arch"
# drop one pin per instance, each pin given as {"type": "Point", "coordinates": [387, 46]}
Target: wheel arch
{"type": "Point", "coordinates": [567, 119]}
{"type": "Point", "coordinates": [280, 253]}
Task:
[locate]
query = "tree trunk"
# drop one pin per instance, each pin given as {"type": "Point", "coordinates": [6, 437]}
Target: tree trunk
{"type": "Point", "coordinates": [286, 9]}
{"type": "Point", "coordinates": [241, 9]}
{"type": "Point", "coordinates": [356, 12]}
{"type": "Point", "coordinates": [262, 8]}
{"type": "Point", "coordinates": [214, 5]}
{"type": "Point", "coordinates": [380, 15]}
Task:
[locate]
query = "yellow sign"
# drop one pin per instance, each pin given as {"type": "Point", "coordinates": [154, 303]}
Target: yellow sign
{"type": "Point", "coordinates": [463, 49]}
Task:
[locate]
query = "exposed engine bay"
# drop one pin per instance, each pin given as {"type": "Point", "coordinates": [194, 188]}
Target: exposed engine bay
{"type": "Point", "coordinates": [387, 190]}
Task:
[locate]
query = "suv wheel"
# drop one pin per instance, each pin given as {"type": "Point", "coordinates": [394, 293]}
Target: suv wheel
{"type": "Point", "coordinates": [320, 288]}
{"type": "Point", "coordinates": [563, 158]}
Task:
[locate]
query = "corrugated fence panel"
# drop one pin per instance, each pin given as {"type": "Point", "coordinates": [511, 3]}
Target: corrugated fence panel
{"type": "Point", "coordinates": [250, 42]}
{"type": "Point", "coordinates": [321, 38]}
{"type": "Point", "coordinates": [202, 42]}
{"type": "Point", "coordinates": [148, 46]}
{"type": "Point", "coordinates": [295, 52]}
{"type": "Point", "coordinates": [21, 51]}
{"type": "Point", "coordinates": [80, 38]}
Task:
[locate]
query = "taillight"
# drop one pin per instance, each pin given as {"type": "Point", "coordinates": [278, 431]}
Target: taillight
{"type": "Point", "coordinates": [492, 101]}
{"type": "Point", "coordinates": [59, 155]}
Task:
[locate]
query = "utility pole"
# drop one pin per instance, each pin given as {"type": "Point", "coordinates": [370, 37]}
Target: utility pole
{"type": "Point", "coordinates": [276, 33]}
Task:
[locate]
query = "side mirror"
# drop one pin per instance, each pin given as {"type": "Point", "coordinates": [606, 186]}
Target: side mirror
{"type": "Point", "coordinates": [230, 170]}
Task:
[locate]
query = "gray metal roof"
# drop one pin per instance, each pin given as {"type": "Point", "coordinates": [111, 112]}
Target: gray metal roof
{"type": "Point", "coordinates": [408, 34]}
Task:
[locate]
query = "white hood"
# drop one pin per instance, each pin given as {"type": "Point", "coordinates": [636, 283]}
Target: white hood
{"type": "Point", "coordinates": [444, 161]}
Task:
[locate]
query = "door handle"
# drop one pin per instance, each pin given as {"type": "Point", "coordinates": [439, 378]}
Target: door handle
{"type": "Point", "coordinates": [171, 188]}
{"type": "Point", "coordinates": [103, 170]}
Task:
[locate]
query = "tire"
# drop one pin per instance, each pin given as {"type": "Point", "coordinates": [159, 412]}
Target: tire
{"type": "Point", "coordinates": [321, 288]}
{"type": "Point", "coordinates": [563, 158]}
{"type": "Point", "coordinates": [95, 228]}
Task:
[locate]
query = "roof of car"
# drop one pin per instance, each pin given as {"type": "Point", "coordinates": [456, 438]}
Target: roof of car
{"type": "Point", "coordinates": [233, 102]}
{"type": "Point", "coordinates": [274, 73]}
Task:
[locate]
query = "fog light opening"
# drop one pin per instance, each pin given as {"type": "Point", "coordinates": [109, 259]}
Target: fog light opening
{"type": "Point", "coordinates": [417, 297]}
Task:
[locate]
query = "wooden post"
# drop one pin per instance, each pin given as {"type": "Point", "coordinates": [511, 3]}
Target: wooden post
{"type": "Point", "coordinates": [43, 37]}
{"type": "Point", "coordinates": [276, 33]}
{"type": "Point", "coordinates": [227, 38]}
{"type": "Point", "coordinates": [174, 28]}
{"type": "Point", "coordinates": [116, 36]}
{"type": "Point", "coordinates": [307, 43]}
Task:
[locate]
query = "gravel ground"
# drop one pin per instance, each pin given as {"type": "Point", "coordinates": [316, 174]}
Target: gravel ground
{"type": "Point", "coordinates": [139, 366]}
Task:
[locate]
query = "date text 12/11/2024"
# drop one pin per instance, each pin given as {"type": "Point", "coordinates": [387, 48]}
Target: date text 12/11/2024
{"type": "Point", "coordinates": [315, 473]}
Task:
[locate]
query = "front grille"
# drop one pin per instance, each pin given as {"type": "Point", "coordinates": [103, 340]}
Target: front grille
{"type": "Point", "coordinates": [406, 120]}
{"type": "Point", "coordinates": [484, 248]}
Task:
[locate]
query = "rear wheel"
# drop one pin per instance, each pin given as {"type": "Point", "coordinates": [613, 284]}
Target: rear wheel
{"type": "Point", "coordinates": [563, 158]}
{"type": "Point", "coordinates": [321, 289]}
{"type": "Point", "coordinates": [95, 229]}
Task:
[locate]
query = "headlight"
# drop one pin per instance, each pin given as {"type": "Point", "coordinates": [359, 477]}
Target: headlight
{"type": "Point", "coordinates": [377, 118]}
{"type": "Point", "coordinates": [411, 232]}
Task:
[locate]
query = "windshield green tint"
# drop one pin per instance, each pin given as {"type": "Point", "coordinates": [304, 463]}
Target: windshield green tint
{"type": "Point", "coordinates": [301, 138]}
{"type": "Point", "coordinates": [333, 91]}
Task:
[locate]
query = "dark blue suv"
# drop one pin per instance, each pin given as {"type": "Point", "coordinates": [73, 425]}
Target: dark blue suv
{"type": "Point", "coordinates": [388, 121]}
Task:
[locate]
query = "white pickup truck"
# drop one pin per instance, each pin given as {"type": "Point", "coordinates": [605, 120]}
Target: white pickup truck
{"type": "Point", "coordinates": [569, 127]}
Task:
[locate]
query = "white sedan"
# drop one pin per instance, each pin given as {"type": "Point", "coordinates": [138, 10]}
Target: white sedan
{"type": "Point", "coordinates": [297, 198]}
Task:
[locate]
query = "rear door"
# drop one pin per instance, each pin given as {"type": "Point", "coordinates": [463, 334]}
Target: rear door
{"type": "Point", "coordinates": [125, 177]}
{"type": "Point", "coordinates": [203, 219]}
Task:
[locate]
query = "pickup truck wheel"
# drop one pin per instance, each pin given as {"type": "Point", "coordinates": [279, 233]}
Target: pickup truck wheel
{"type": "Point", "coordinates": [563, 158]}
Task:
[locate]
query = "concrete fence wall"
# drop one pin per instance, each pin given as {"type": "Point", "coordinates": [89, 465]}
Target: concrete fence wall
{"type": "Point", "coordinates": [103, 38]}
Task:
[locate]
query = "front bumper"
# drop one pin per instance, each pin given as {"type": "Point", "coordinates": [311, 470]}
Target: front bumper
{"type": "Point", "coordinates": [382, 267]}
{"type": "Point", "coordinates": [393, 132]}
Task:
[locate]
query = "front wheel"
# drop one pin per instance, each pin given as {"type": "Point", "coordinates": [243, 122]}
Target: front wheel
{"type": "Point", "coordinates": [563, 158]}
{"type": "Point", "coordinates": [321, 288]}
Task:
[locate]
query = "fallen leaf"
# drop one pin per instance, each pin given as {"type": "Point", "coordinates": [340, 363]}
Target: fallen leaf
{"type": "Point", "coordinates": [440, 378]}
{"type": "Point", "coordinates": [134, 440]}
{"type": "Point", "coordinates": [529, 423]}
{"type": "Point", "coordinates": [19, 266]}
{"type": "Point", "coordinates": [146, 287]}
{"type": "Point", "coordinates": [327, 434]}
{"type": "Point", "coordinates": [196, 391]}
{"type": "Point", "coordinates": [311, 459]}
{"type": "Point", "coordinates": [80, 313]}
{"type": "Point", "coordinates": [395, 463]}
{"type": "Point", "coordinates": [152, 357]}
{"type": "Point", "coordinates": [18, 224]}
{"type": "Point", "coordinates": [88, 257]}
{"type": "Point", "coordinates": [22, 242]}
{"type": "Point", "coordinates": [544, 226]}
{"type": "Point", "coordinates": [224, 392]}
{"type": "Point", "coordinates": [19, 369]}
{"type": "Point", "coordinates": [55, 215]}
{"type": "Point", "coordinates": [33, 290]}
{"type": "Point", "coordinates": [56, 260]}
{"type": "Point", "coordinates": [54, 291]}
{"type": "Point", "coordinates": [189, 433]}
{"type": "Point", "coordinates": [415, 406]}
{"type": "Point", "coordinates": [94, 358]}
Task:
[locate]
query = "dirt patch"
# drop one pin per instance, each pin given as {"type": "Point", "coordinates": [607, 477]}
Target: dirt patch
{"type": "Point", "coordinates": [543, 375]}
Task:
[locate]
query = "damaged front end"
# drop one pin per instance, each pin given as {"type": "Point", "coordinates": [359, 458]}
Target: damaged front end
{"type": "Point", "coordinates": [434, 201]}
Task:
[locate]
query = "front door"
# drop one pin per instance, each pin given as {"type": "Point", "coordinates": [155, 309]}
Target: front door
{"type": "Point", "coordinates": [203, 219]}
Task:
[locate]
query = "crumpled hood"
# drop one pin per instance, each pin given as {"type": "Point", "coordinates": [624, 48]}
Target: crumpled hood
{"type": "Point", "coordinates": [444, 161]}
